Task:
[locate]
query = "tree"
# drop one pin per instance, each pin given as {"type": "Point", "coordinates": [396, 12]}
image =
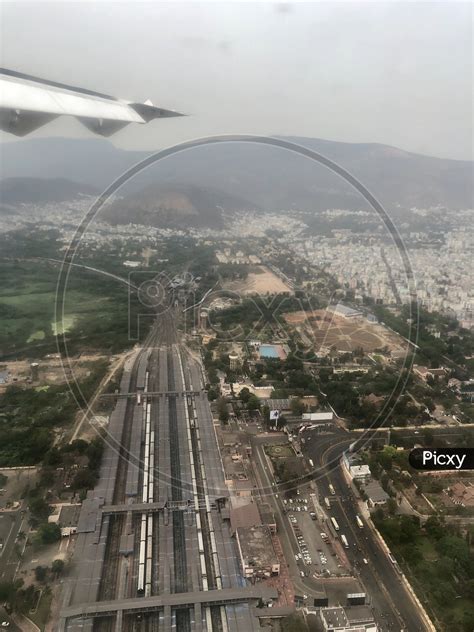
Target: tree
{"type": "Point", "coordinates": [39, 509]}
{"type": "Point", "coordinates": [222, 410]}
{"type": "Point", "coordinates": [294, 623]}
{"type": "Point", "coordinates": [434, 528]}
{"type": "Point", "coordinates": [41, 573]}
{"type": "Point", "coordinates": [211, 394]}
{"type": "Point", "coordinates": [297, 406]}
{"type": "Point", "coordinates": [253, 402]}
{"type": "Point", "coordinates": [57, 566]}
{"type": "Point", "coordinates": [454, 547]}
{"type": "Point", "coordinates": [392, 506]}
{"type": "Point", "coordinates": [49, 533]}
{"type": "Point", "coordinates": [428, 437]}
{"type": "Point", "coordinates": [84, 479]}
{"type": "Point", "coordinates": [244, 395]}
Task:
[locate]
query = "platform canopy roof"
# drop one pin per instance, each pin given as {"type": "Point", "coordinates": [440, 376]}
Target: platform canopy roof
{"type": "Point", "coordinates": [27, 103]}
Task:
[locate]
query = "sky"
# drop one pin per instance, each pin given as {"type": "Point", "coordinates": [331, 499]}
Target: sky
{"type": "Point", "coordinates": [398, 73]}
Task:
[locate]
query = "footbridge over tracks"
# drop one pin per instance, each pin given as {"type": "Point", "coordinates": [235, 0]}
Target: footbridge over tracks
{"type": "Point", "coordinates": [226, 596]}
{"type": "Point", "coordinates": [169, 505]}
{"type": "Point", "coordinates": [152, 394]}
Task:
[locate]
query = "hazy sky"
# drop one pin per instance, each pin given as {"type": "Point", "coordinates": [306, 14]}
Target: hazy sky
{"type": "Point", "coordinates": [395, 73]}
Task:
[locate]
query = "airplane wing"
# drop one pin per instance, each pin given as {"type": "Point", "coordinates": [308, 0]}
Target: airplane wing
{"type": "Point", "coordinates": [27, 103]}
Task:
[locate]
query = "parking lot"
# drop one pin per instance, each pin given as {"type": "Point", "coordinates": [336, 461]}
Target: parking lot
{"type": "Point", "coordinates": [317, 556]}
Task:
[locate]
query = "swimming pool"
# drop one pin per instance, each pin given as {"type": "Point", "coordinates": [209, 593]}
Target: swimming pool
{"type": "Point", "coordinates": [268, 351]}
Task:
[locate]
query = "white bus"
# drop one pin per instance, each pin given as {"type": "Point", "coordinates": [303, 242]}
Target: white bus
{"type": "Point", "coordinates": [344, 541]}
{"type": "Point", "coordinates": [360, 524]}
{"type": "Point", "coordinates": [327, 503]}
{"type": "Point", "coordinates": [332, 491]}
{"type": "Point", "coordinates": [334, 524]}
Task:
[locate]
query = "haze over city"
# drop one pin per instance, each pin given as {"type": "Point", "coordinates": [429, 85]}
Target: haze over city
{"type": "Point", "coordinates": [236, 378]}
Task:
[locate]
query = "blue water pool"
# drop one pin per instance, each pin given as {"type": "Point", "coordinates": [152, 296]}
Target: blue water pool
{"type": "Point", "coordinates": [268, 351]}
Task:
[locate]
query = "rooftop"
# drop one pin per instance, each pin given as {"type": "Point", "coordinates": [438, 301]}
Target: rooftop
{"type": "Point", "coordinates": [334, 617]}
{"type": "Point", "coordinates": [246, 515]}
{"type": "Point", "coordinates": [256, 547]}
{"type": "Point", "coordinates": [375, 492]}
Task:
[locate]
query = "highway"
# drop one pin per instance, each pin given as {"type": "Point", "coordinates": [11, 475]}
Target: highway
{"type": "Point", "coordinates": [13, 522]}
{"type": "Point", "coordinates": [394, 606]}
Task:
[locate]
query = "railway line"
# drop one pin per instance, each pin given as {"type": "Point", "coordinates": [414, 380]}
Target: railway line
{"type": "Point", "coordinates": [173, 548]}
{"type": "Point", "coordinates": [216, 619]}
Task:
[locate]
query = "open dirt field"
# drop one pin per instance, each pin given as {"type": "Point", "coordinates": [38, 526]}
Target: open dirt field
{"type": "Point", "coordinates": [51, 370]}
{"type": "Point", "coordinates": [261, 281]}
{"type": "Point", "coordinates": [328, 330]}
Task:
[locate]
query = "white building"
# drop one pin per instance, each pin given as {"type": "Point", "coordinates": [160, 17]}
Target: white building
{"type": "Point", "coordinates": [360, 473]}
{"type": "Point", "coordinates": [321, 417]}
{"type": "Point", "coordinates": [358, 619]}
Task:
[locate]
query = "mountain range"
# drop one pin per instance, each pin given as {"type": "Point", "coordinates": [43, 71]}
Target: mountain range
{"type": "Point", "coordinates": [234, 176]}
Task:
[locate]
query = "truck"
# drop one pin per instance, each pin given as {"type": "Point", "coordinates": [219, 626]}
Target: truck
{"type": "Point", "coordinates": [344, 541]}
{"type": "Point", "coordinates": [332, 491]}
{"type": "Point", "coordinates": [327, 503]}
{"type": "Point", "coordinates": [334, 524]}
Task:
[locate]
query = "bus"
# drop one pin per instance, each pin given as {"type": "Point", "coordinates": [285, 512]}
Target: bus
{"type": "Point", "coordinates": [327, 503]}
{"type": "Point", "coordinates": [344, 541]}
{"type": "Point", "coordinates": [360, 524]}
{"type": "Point", "coordinates": [392, 559]}
{"type": "Point", "coordinates": [334, 524]}
{"type": "Point", "coordinates": [332, 491]}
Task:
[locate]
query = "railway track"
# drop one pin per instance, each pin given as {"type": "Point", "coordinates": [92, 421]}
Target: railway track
{"type": "Point", "coordinates": [212, 571]}
{"type": "Point", "coordinates": [163, 334]}
{"type": "Point", "coordinates": [111, 568]}
{"type": "Point", "coordinates": [183, 619]}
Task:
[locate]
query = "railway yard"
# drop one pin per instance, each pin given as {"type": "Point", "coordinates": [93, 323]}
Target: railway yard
{"type": "Point", "coordinates": [152, 551]}
{"type": "Point", "coordinates": [155, 549]}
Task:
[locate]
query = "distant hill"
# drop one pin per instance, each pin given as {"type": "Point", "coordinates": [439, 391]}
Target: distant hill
{"type": "Point", "coordinates": [174, 205]}
{"type": "Point", "coordinates": [19, 190]}
{"type": "Point", "coordinates": [259, 176]}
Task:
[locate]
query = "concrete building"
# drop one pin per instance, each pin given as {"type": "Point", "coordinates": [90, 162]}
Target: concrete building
{"type": "Point", "coordinates": [375, 494]}
{"type": "Point", "coordinates": [462, 494]}
{"type": "Point", "coordinates": [267, 516]}
{"type": "Point", "coordinates": [257, 555]}
{"type": "Point", "coordinates": [203, 317]}
{"type": "Point", "coordinates": [66, 516]}
{"type": "Point", "coordinates": [244, 516]}
{"type": "Point", "coordinates": [344, 311]}
{"type": "Point", "coordinates": [424, 372]}
{"type": "Point", "coordinates": [34, 370]}
{"type": "Point", "coordinates": [356, 471]}
{"type": "Point", "coordinates": [360, 473]}
{"type": "Point", "coordinates": [355, 619]}
{"type": "Point", "coordinates": [234, 362]}
{"type": "Point", "coordinates": [318, 417]}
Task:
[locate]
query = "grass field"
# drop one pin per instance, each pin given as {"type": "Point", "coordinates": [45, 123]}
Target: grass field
{"type": "Point", "coordinates": [279, 451]}
{"type": "Point", "coordinates": [41, 615]}
{"type": "Point", "coordinates": [28, 322]}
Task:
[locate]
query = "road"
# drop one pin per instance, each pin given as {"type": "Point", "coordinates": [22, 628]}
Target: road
{"type": "Point", "coordinates": [8, 558]}
{"type": "Point", "coordinates": [286, 534]}
{"type": "Point", "coordinates": [394, 606]}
